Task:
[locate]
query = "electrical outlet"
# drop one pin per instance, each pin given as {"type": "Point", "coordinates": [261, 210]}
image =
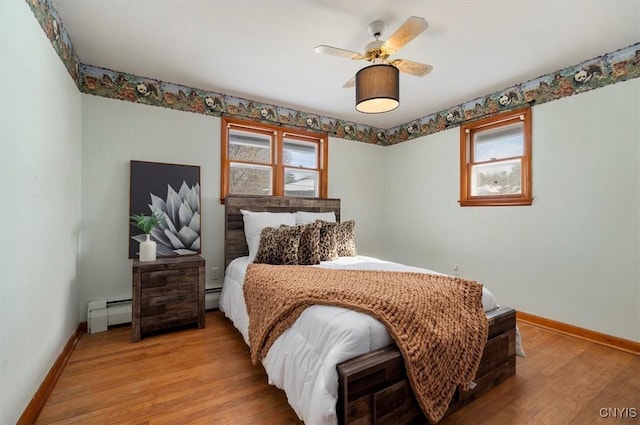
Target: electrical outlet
{"type": "Point", "coordinates": [214, 273]}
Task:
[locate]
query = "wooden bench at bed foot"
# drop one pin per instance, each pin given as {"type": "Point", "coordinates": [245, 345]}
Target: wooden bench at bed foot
{"type": "Point", "coordinates": [374, 389]}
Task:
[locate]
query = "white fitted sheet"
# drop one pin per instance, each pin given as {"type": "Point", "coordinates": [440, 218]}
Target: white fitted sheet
{"type": "Point", "coordinates": [303, 360]}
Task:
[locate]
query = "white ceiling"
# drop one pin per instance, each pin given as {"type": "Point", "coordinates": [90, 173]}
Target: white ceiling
{"type": "Point", "coordinates": [263, 49]}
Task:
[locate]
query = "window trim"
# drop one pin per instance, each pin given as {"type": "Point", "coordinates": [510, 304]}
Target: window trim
{"type": "Point", "coordinates": [466, 154]}
{"type": "Point", "coordinates": [278, 134]}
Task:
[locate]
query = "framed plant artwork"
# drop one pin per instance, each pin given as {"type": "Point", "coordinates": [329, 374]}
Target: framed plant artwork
{"type": "Point", "coordinates": [171, 191]}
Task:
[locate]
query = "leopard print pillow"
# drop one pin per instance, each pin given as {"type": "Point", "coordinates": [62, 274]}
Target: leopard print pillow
{"type": "Point", "coordinates": [346, 245]}
{"type": "Point", "coordinates": [279, 245]}
{"type": "Point", "coordinates": [309, 248]}
{"type": "Point", "coordinates": [328, 246]}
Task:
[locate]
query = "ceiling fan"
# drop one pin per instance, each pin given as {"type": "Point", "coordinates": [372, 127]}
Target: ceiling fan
{"type": "Point", "coordinates": [378, 51]}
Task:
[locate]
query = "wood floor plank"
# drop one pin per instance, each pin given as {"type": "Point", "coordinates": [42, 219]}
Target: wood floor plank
{"type": "Point", "coordinates": [567, 387]}
{"type": "Point", "coordinates": [205, 376]}
{"type": "Point", "coordinates": [617, 398]}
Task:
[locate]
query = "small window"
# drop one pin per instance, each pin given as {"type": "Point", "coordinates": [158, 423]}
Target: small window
{"type": "Point", "coordinates": [495, 160]}
{"type": "Point", "coordinates": [250, 156]}
{"type": "Point", "coordinates": [259, 159]}
{"type": "Point", "coordinates": [301, 167]}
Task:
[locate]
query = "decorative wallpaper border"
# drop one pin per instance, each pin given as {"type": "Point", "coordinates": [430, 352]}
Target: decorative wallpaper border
{"type": "Point", "coordinates": [132, 88]}
{"type": "Point", "coordinates": [610, 68]}
{"type": "Point", "coordinates": [621, 65]}
{"type": "Point", "coordinates": [52, 26]}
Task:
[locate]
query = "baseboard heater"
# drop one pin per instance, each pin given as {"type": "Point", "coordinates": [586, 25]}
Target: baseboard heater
{"type": "Point", "coordinates": [102, 314]}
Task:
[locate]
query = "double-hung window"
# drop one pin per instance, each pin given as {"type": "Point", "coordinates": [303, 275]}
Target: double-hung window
{"type": "Point", "coordinates": [495, 160]}
{"type": "Point", "coordinates": [258, 159]}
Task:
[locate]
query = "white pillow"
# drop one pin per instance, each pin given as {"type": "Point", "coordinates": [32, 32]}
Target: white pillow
{"type": "Point", "coordinates": [305, 217]}
{"type": "Point", "coordinates": [254, 222]}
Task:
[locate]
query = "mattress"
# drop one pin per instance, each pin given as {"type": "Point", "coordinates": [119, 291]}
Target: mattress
{"type": "Point", "coordinates": [303, 360]}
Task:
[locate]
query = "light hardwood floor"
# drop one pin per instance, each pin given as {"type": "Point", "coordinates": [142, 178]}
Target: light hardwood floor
{"type": "Point", "coordinates": [206, 377]}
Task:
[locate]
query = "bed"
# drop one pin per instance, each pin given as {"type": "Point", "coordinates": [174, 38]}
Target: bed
{"type": "Point", "coordinates": [355, 375]}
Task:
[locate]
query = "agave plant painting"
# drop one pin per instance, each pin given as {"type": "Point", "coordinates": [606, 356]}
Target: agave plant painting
{"type": "Point", "coordinates": [178, 233]}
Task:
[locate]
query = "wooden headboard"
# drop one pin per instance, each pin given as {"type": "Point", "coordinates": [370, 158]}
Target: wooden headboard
{"type": "Point", "coordinates": [235, 243]}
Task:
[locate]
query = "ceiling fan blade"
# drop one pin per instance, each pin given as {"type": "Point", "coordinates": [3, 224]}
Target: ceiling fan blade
{"type": "Point", "coordinates": [411, 28]}
{"type": "Point", "coordinates": [328, 50]}
{"type": "Point", "coordinates": [410, 67]}
{"type": "Point", "coordinates": [350, 83]}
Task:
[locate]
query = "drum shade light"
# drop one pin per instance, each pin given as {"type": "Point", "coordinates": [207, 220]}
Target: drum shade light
{"type": "Point", "coordinates": [377, 89]}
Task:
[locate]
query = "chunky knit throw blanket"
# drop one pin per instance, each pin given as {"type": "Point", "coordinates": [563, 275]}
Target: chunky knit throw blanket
{"type": "Point", "coordinates": [437, 322]}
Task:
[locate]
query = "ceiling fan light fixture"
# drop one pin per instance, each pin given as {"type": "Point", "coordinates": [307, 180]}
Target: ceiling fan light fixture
{"type": "Point", "coordinates": [377, 89]}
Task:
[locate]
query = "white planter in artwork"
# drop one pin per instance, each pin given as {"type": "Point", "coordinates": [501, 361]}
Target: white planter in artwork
{"type": "Point", "coordinates": [147, 249]}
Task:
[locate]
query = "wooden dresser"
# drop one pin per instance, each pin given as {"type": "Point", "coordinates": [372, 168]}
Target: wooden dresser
{"type": "Point", "coordinates": [167, 293]}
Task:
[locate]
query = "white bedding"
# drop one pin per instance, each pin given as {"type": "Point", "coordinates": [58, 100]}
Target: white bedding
{"type": "Point", "coordinates": [303, 360]}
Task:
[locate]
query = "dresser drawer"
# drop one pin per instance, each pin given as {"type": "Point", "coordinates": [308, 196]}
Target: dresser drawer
{"type": "Point", "coordinates": [157, 305]}
{"type": "Point", "coordinates": [167, 290]}
{"type": "Point", "coordinates": [169, 315]}
{"type": "Point", "coordinates": [168, 278]}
